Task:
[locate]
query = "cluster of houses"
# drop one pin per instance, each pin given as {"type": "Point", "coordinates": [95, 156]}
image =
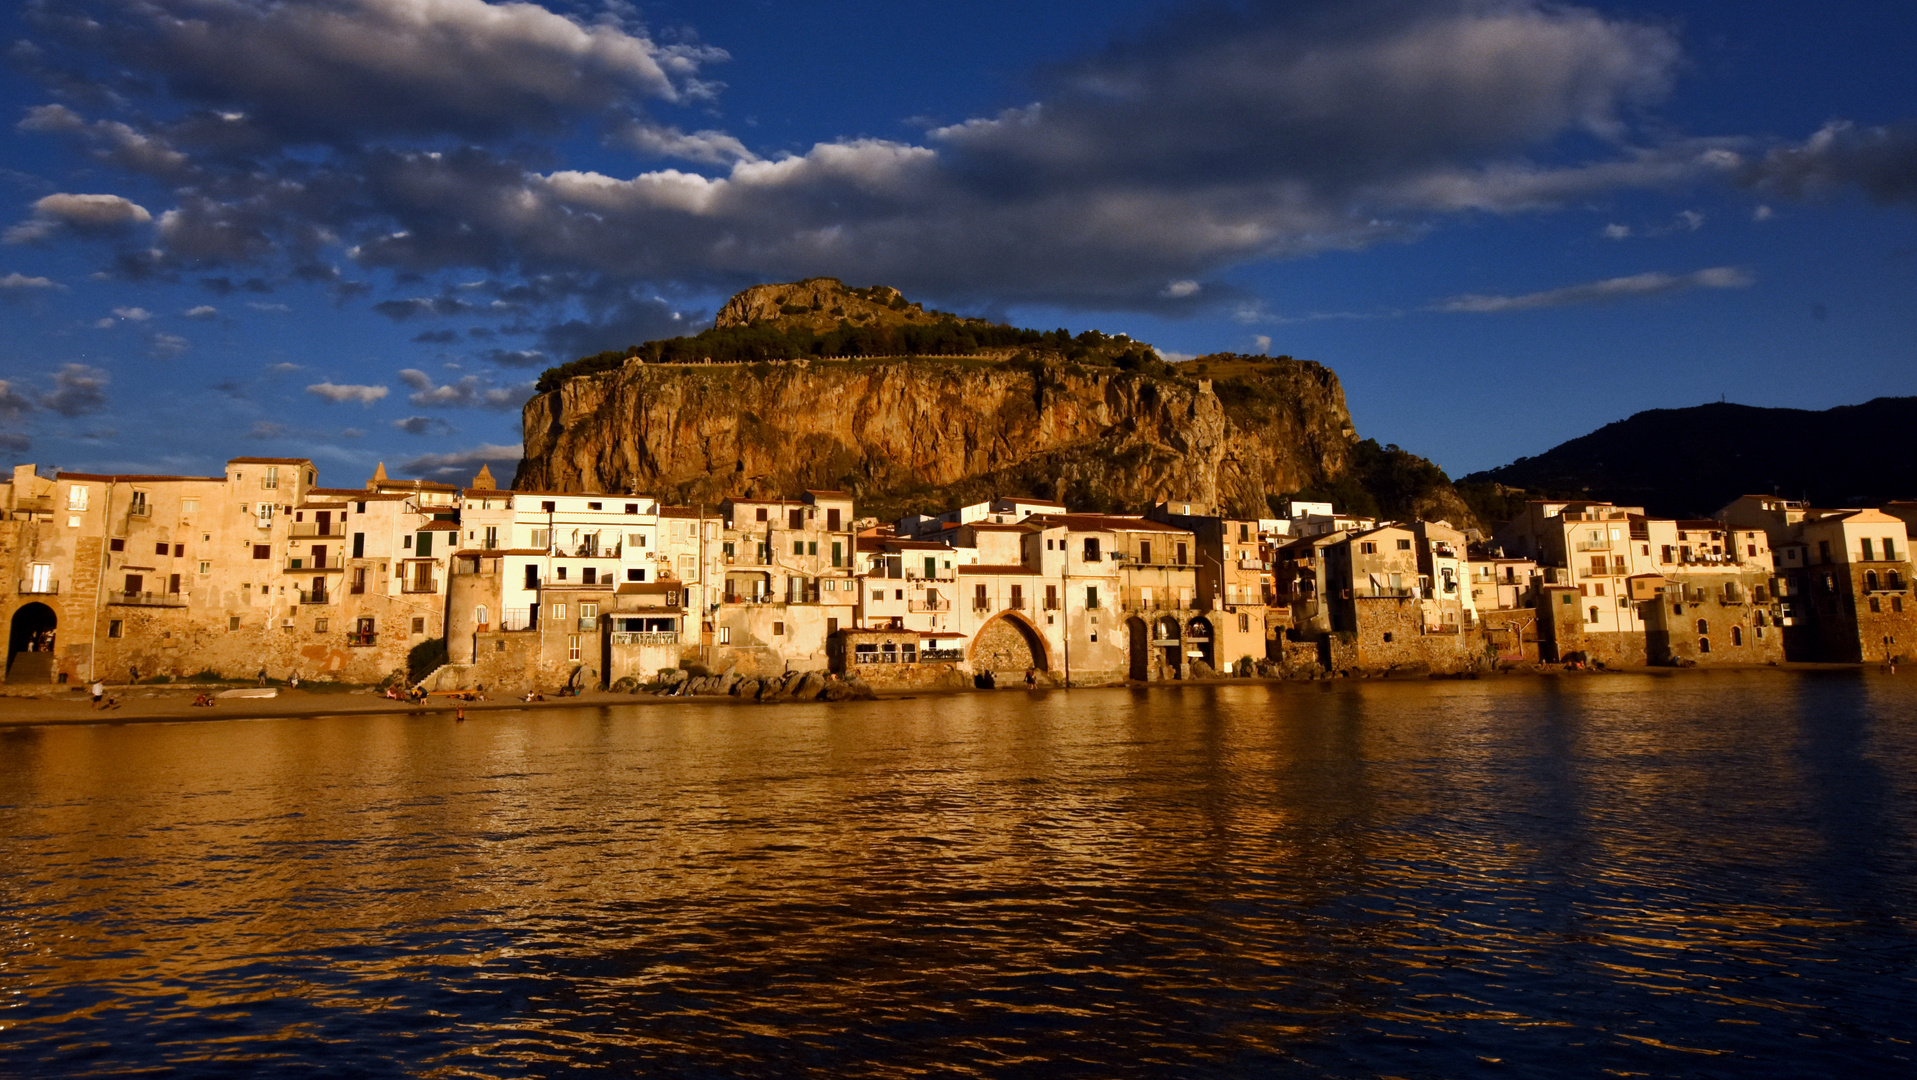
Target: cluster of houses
{"type": "Point", "coordinates": [263, 571]}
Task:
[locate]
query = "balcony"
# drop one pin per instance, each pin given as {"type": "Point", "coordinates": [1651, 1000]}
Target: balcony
{"type": "Point", "coordinates": [930, 655]}
{"type": "Point", "coordinates": [649, 637]}
{"type": "Point", "coordinates": [308, 564]}
{"type": "Point", "coordinates": [147, 599]}
{"type": "Point", "coordinates": [592, 551]}
{"type": "Point", "coordinates": [588, 622]}
{"type": "Point", "coordinates": [1595, 545]}
{"type": "Point", "coordinates": [928, 605]}
{"type": "Point", "coordinates": [305, 529]}
{"type": "Point", "coordinates": [357, 640]}
{"type": "Point", "coordinates": [39, 588]}
{"type": "Point", "coordinates": [316, 596]}
{"type": "Point", "coordinates": [514, 620]}
{"type": "Point", "coordinates": [419, 585]}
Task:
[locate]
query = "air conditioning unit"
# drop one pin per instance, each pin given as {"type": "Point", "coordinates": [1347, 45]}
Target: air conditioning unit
{"type": "Point", "coordinates": [286, 624]}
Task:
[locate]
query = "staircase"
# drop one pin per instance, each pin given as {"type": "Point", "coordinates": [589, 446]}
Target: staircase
{"type": "Point", "coordinates": [446, 677]}
{"type": "Point", "coordinates": [30, 669]}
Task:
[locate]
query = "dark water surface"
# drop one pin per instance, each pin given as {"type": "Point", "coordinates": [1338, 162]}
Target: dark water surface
{"type": "Point", "coordinates": [1688, 876]}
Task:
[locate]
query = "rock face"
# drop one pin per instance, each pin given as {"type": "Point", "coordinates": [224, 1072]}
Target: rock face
{"type": "Point", "coordinates": [819, 303]}
{"type": "Point", "coordinates": [919, 433]}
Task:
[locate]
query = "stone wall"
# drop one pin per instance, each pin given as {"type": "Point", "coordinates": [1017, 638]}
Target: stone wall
{"type": "Point", "coordinates": [1673, 634]}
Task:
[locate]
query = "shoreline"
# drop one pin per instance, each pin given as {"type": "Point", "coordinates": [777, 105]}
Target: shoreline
{"type": "Point", "coordinates": [172, 702]}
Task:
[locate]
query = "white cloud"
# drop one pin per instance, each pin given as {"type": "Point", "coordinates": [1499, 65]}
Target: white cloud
{"type": "Point", "coordinates": [471, 391]}
{"type": "Point", "coordinates": [340, 394]}
{"type": "Point", "coordinates": [167, 346]}
{"type": "Point", "coordinates": [203, 311]}
{"type": "Point", "coordinates": [1689, 220]}
{"type": "Point", "coordinates": [18, 281]}
{"type": "Point", "coordinates": [1636, 286]}
{"type": "Point", "coordinates": [1616, 232]}
{"type": "Point", "coordinates": [85, 213]}
{"type": "Point", "coordinates": [1762, 213]}
{"type": "Point", "coordinates": [1263, 342]}
{"type": "Point", "coordinates": [133, 314]}
{"type": "Point", "coordinates": [1181, 289]}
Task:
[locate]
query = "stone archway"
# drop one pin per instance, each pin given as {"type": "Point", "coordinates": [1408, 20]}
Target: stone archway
{"type": "Point", "coordinates": [1198, 635]}
{"type": "Point", "coordinates": [1007, 644]}
{"type": "Point", "coordinates": [30, 643]}
{"type": "Point", "coordinates": [1171, 644]}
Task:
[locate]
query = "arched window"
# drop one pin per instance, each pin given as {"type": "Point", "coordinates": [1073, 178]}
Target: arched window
{"type": "Point", "coordinates": [1703, 627]}
{"type": "Point", "coordinates": [1737, 635]}
{"type": "Point", "coordinates": [1703, 644]}
{"type": "Point", "coordinates": [1870, 581]}
{"type": "Point", "coordinates": [481, 616]}
{"type": "Point", "coordinates": [1594, 614]}
{"type": "Point", "coordinates": [1894, 581]}
{"type": "Point", "coordinates": [1762, 620]}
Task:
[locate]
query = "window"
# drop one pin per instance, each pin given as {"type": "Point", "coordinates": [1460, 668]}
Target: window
{"type": "Point", "coordinates": [1703, 626]}
{"type": "Point", "coordinates": [1144, 551]}
{"type": "Point", "coordinates": [232, 622]}
{"type": "Point", "coordinates": [1051, 598]}
{"type": "Point", "coordinates": [589, 615]}
{"type": "Point", "coordinates": [557, 612]}
{"type": "Point", "coordinates": [798, 547]}
{"type": "Point", "coordinates": [832, 520]}
{"type": "Point", "coordinates": [632, 508]}
{"type": "Point", "coordinates": [725, 635]}
{"type": "Point", "coordinates": [161, 549]}
{"type": "Point", "coordinates": [113, 628]}
{"type": "Point", "coordinates": [1244, 623]}
{"type": "Point", "coordinates": [1890, 549]}
{"type": "Point", "coordinates": [761, 514]}
{"type": "Point", "coordinates": [189, 506]}
{"type": "Point", "coordinates": [1737, 635]}
{"type": "Point", "coordinates": [1091, 549]}
{"type": "Point", "coordinates": [173, 584]}
{"type": "Point", "coordinates": [135, 583]}
{"type": "Point", "coordinates": [589, 576]}
{"type": "Point", "coordinates": [116, 544]}
{"type": "Point", "coordinates": [559, 573]}
{"type": "Point", "coordinates": [272, 477]}
{"type": "Point", "coordinates": [419, 624]}
{"type": "Point", "coordinates": [406, 541]}
{"type": "Point", "coordinates": [1875, 605]}
{"type": "Point", "coordinates": [482, 616]}
{"type": "Point", "coordinates": [179, 551]}
{"type": "Point", "coordinates": [319, 626]}
{"type": "Point", "coordinates": [1387, 637]}
{"type": "Point", "coordinates": [138, 506]}
{"type": "Point", "coordinates": [812, 547]}
{"type": "Point", "coordinates": [1896, 603]}
{"type": "Point", "coordinates": [1367, 547]}
{"type": "Point", "coordinates": [1091, 597]}
{"type": "Point", "coordinates": [594, 506]}
{"type": "Point", "coordinates": [795, 519]}
{"type": "Point", "coordinates": [1567, 599]}
{"type": "Point", "coordinates": [1865, 544]}
{"type": "Point", "coordinates": [77, 497]}
{"type": "Point", "coordinates": [205, 568]}
{"type": "Point", "coordinates": [1594, 614]}
{"type": "Point", "coordinates": [548, 506]}
{"type": "Point", "coordinates": [980, 601]}
{"type": "Point", "coordinates": [572, 646]}
{"type": "Point", "coordinates": [635, 575]}
{"type": "Point", "coordinates": [778, 629]}
{"type": "Point", "coordinates": [1404, 545]}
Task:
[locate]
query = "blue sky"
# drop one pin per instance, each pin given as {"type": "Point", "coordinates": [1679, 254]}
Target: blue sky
{"type": "Point", "coordinates": [356, 230]}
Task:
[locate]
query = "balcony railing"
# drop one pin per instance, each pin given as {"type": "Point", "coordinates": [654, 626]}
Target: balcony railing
{"type": "Point", "coordinates": [926, 655]}
{"type": "Point", "coordinates": [593, 551]}
{"type": "Point", "coordinates": [1594, 545]}
{"type": "Point", "coordinates": [515, 619]}
{"type": "Point", "coordinates": [358, 640]}
{"type": "Point", "coordinates": [316, 596]}
{"type": "Point", "coordinates": [306, 563]}
{"type": "Point", "coordinates": [928, 605]}
{"type": "Point", "coordinates": [588, 622]}
{"type": "Point", "coordinates": [304, 529]}
{"type": "Point", "coordinates": [40, 588]}
{"type": "Point", "coordinates": [147, 599]}
{"type": "Point", "coordinates": [649, 637]}
{"type": "Point", "coordinates": [417, 585]}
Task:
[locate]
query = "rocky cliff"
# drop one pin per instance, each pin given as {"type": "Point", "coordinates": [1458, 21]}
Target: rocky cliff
{"type": "Point", "coordinates": [916, 434]}
{"type": "Point", "coordinates": [819, 304]}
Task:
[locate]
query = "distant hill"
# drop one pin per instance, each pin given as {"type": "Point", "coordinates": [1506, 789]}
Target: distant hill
{"type": "Point", "coordinates": [1683, 462]}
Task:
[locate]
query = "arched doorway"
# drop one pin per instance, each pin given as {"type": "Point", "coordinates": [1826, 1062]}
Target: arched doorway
{"type": "Point", "coordinates": [30, 641]}
{"type": "Point", "coordinates": [1007, 645]}
{"type": "Point", "coordinates": [1198, 637]}
{"type": "Point", "coordinates": [1170, 643]}
{"type": "Point", "coordinates": [1141, 648]}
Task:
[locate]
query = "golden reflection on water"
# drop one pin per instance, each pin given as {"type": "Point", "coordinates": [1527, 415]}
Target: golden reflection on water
{"type": "Point", "coordinates": [1221, 878]}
